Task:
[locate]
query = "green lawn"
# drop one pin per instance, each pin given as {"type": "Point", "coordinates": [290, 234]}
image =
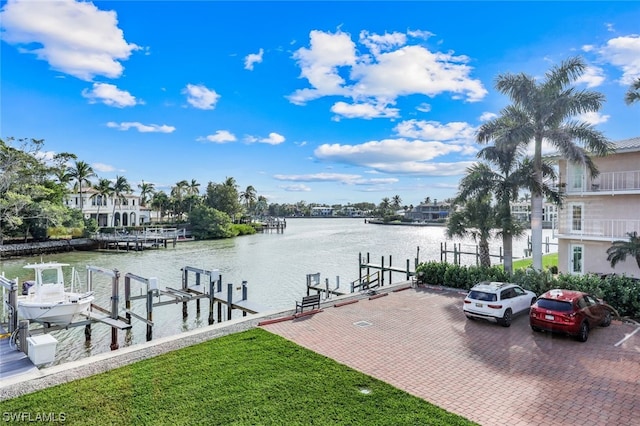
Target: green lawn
{"type": "Point", "coordinates": [548, 260]}
{"type": "Point", "coordinates": [248, 378]}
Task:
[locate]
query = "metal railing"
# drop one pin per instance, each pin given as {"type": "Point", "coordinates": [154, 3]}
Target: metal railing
{"type": "Point", "coordinates": [605, 229]}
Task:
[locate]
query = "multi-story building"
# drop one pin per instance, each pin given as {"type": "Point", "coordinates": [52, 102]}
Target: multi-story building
{"type": "Point", "coordinates": [521, 210]}
{"type": "Point", "coordinates": [598, 210]}
{"type": "Point", "coordinates": [109, 211]}
{"type": "Point", "coordinates": [430, 211]}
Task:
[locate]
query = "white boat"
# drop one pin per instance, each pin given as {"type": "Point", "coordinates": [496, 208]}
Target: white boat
{"type": "Point", "coordinates": [46, 300]}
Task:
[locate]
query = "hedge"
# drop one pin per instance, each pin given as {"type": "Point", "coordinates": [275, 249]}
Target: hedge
{"type": "Point", "coordinates": [619, 291]}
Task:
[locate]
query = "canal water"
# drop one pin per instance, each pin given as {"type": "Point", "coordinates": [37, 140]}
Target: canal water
{"type": "Point", "coordinates": [274, 264]}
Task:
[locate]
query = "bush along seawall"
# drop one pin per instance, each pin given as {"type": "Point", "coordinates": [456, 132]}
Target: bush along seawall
{"type": "Point", "coordinates": [619, 291]}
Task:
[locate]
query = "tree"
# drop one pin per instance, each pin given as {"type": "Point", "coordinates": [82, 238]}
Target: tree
{"type": "Point", "coordinates": [620, 249]}
{"type": "Point", "coordinates": [475, 218]}
{"type": "Point", "coordinates": [207, 223]}
{"type": "Point", "coordinates": [194, 187]}
{"type": "Point", "coordinates": [224, 197]}
{"type": "Point", "coordinates": [119, 189]}
{"type": "Point", "coordinates": [544, 111]}
{"type": "Point", "coordinates": [160, 202]}
{"type": "Point", "coordinates": [248, 196]}
{"type": "Point", "coordinates": [103, 192]}
{"type": "Point", "coordinates": [633, 94]}
{"type": "Point", "coordinates": [397, 201]}
{"type": "Point", "coordinates": [146, 191]}
{"type": "Point", "coordinates": [81, 172]}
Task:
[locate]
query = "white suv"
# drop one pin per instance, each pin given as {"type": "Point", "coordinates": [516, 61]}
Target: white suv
{"type": "Point", "coordinates": [497, 301]}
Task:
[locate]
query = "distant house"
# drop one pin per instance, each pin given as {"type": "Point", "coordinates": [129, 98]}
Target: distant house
{"type": "Point", "coordinates": [599, 210]}
{"type": "Point", "coordinates": [128, 212]}
{"type": "Point", "coordinates": [322, 211]}
{"type": "Point", "coordinates": [521, 210]}
{"type": "Point", "coordinates": [429, 211]}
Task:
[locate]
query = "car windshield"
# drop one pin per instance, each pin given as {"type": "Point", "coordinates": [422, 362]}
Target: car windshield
{"type": "Point", "coordinates": [555, 305]}
{"type": "Point", "coordinates": [481, 295]}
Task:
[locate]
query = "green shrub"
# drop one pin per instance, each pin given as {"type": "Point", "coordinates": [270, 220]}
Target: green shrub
{"type": "Point", "coordinates": [243, 229]}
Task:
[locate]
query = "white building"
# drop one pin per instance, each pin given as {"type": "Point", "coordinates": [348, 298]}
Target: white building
{"type": "Point", "coordinates": [108, 211]}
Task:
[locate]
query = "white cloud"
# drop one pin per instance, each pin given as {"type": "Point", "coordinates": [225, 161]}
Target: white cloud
{"type": "Point", "coordinates": [347, 179]}
{"type": "Point", "coordinates": [103, 168]}
{"type": "Point", "coordinates": [486, 116]}
{"type": "Point", "coordinates": [593, 118]}
{"type": "Point", "coordinates": [109, 94]}
{"type": "Point", "coordinates": [200, 96]}
{"type": "Point", "coordinates": [142, 128]}
{"type": "Point", "coordinates": [363, 110]}
{"type": "Point", "coordinates": [592, 77]}
{"type": "Point", "coordinates": [624, 52]}
{"type": "Point", "coordinates": [424, 107]}
{"type": "Point", "coordinates": [253, 58]}
{"type": "Point", "coordinates": [74, 37]}
{"type": "Point", "coordinates": [272, 139]}
{"type": "Point", "coordinates": [221, 136]}
{"type": "Point", "coordinates": [296, 188]}
{"type": "Point", "coordinates": [390, 69]}
{"type": "Point", "coordinates": [433, 130]}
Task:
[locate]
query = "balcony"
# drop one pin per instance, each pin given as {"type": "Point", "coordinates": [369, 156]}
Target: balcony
{"type": "Point", "coordinates": [627, 182]}
{"type": "Point", "coordinates": [596, 229]}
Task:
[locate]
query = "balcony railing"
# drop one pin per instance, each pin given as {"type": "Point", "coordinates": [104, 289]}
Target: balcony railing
{"type": "Point", "coordinates": [612, 182]}
{"type": "Point", "coordinates": [597, 229]}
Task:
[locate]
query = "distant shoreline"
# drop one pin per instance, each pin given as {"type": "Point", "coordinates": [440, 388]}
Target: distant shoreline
{"type": "Point", "coordinates": [381, 222]}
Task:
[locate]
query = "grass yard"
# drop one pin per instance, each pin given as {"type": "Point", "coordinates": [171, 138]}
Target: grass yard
{"type": "Point", "coordinates": [548, 260]}
{"type": "Point", "coordinates": [248, 378]}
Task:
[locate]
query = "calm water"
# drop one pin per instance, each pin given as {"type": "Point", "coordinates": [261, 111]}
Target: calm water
{"type": "Point", "coordinates": [274, 265]}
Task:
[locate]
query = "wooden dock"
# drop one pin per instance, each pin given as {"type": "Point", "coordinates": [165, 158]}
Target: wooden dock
{"type": "Point", "coordinates": [13, 362]}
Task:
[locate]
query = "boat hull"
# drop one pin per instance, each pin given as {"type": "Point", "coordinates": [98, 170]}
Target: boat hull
{"type": "Point", "coordinates": [60, 313]}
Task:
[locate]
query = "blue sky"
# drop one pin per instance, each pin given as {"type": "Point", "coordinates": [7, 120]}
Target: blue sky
{"type": "Point", "coordinates": [326, 102]}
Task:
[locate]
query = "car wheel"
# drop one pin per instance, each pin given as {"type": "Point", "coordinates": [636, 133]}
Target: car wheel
{"type": "Point", "coordinates": [583, 334]}
{"type": "Point", "coordinates": [506, 318]}
{"type": "Point", "coordinates": [606, 322]}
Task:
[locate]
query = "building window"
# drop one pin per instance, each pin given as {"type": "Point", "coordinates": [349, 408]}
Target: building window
{"type": "Point", "coordinates": [576, 257]}
{"type": "Point", "coordinates": [576, 217]}
{"type": "Point", "coordinates": [577, 176]}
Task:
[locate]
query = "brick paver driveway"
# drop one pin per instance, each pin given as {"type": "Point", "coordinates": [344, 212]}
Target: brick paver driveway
{"type": "Point", "coordinates": [420, 341]}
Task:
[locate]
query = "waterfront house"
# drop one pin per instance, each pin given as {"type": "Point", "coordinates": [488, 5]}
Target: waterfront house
{"type": "Point", "coordinates": [127, 212]}
{"type": "Point", "coordinates": [598, 210]}
{"type": "Point", "coordinates": [521, 210]}
{"type": "Point", "coordinates": [427, 212]}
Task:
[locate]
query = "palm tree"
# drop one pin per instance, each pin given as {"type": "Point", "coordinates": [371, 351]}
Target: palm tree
{"type": "Point", "coordinates": [542, 111]}
{"type": "Point", "coordinates": [160, 202]}
{"type": "Point", "coordinates": [476, 218]}
{"type": "Point", "coordinates": [396, 200]}
{"type": "Point", "coordinates": [146, 191]}
{"type": "Point", "coordinates": [385, 205]}
{"type": "Point", "coordinates": [81, 172]}
{"type": "Point", "coordinates": [194, 187]}
{"type": "Point", "coordinates": [633, 94]}
{"type": "Point", "coordinates": [103, 192]}
{"type": "Point", "coordinates": [248, 196]}
{"type": "Point", "coordinates": [119, 190]}
{"type": "Point", "coordinates": [619, 250]}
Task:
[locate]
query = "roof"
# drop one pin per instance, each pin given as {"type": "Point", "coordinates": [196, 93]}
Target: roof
{"type": "Point", "coordinates": [490, 286]}
{"type": "Point", "coordinates": [627, 145]}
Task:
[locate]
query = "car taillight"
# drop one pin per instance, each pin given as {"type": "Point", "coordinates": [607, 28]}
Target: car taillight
{"type": "Point", "coordinates": [569, 317]}
{"type": "Point", "coordinates": [495, 306]}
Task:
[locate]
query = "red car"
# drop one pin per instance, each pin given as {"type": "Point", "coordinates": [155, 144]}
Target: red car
{"type": "Point", "coordinates": [569, 312]}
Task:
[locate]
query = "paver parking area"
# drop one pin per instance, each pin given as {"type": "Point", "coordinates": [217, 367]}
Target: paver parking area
{"type": "Point", "coordinates": [420, 341]}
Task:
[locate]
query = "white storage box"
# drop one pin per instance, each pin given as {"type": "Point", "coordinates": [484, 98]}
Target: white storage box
{"type": "Point", "coordinates": [42, 349]}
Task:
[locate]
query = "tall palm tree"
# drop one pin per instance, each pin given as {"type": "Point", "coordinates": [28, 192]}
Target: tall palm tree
{"type": "Point", "coordinates": [619, 250]}
{"type": "Point", "coordinates": [248, 196]}
{"type": "Point", "coordinates": [160, 202]}
{"type": "Point", "coordinates": [120, 189]}
{"type": "Point", "coordinates": [385, 205]}
{"type": "Point", "coordinates": [543, 111]}
{"type": "Point", "coordinates": [397, 201]}
{"type": "Point", "coordinates": [633, 94]}
{"type": "Point", "coordinates": [476, 218]}
{"type": "Point", "coordinates": [103, 192]}
{"type": "Point", "coordinates": [146, 191]}
{"type": "Point", "coordinates": [194, 187]}
{"type": "Point", "coordinates": [81, 172]}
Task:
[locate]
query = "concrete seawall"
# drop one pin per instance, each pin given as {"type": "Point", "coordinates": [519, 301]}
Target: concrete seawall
{"type": "Point", "coordinates": [54, 246]}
